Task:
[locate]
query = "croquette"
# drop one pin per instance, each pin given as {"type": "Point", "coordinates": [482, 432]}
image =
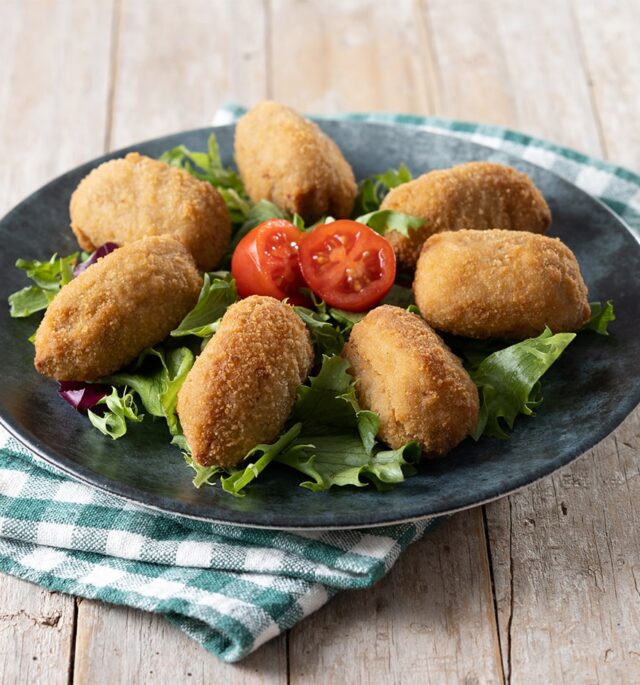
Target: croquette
{"type": "Point", "coordinates": [127, 301]}
{"type": "Point", "coordinates": [504, 284]}
{"type": "Point", "coordinates": [126, 199]}
{"type": "Point", "coordinates": [288, 160]}
{"type": "Point", "coordinates": [242, 387]}
{"type": "Point", "coordinates": [477, 195]}
{"type": "Point", "coordinates": [417, 386]}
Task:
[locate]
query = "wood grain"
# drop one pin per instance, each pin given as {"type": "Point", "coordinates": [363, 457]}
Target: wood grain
{"type": "Point", "coordinates": [177, 63]}
{"type": "Point", "coordinates": [120, 645]}
{"type": "Point", "coordinates": [431, 620]}
{"type": "Point", "coordinates": [610, 48]}
{"type": "Point", "coordinates": [173, 66]}
{"type": "Point", "coordinates": [54, 68]}
{"type": "Point", "coordinates": [358, 56]}
{"type": "Point", "coordinates": [515, 64]}
{"type": "Point", "coordinates": [562, 550]}
{"type": "Point", "coordinates": [567, 566]}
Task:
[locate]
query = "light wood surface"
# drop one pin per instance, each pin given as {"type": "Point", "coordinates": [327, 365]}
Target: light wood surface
{"type": "Point", "coordinates": [540, 587]}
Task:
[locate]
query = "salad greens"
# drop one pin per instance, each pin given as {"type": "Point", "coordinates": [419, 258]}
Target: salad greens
{"type": "Point", "coordinates": [508, 381]}
{"type": "Point", "coordinates": [601, 316]}
{"type": "Point", "coordinates": [371, 191]}
{"type": "Point", "coordinates": [48, 278]}
{"type": "Point", "coordinates": [329, 439]}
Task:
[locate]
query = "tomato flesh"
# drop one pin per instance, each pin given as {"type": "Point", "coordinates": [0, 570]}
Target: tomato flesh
{"type": "Point", "coordinates": [265, 262]}
{"type": "Point", "coordinates": [348, 264]}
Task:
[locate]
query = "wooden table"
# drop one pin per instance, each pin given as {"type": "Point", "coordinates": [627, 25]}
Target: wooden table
{"type": "Point", "coordinates": [539, 587]}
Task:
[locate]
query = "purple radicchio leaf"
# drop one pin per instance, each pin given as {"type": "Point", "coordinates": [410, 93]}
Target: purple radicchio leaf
{"type": "Point", "coordinates": [102, 251]}
{"type": "Point", "coordinates": [82, 396]}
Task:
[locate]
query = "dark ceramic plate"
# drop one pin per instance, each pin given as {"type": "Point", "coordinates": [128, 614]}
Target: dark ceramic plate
{"type": "Point", "coordinates": [586, 394]}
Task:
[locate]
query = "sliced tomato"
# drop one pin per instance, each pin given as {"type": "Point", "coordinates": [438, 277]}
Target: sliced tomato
{"type": "Point", "coordinates": [265, 262]}
{"type": "Point", "coordinates": [348, 264]}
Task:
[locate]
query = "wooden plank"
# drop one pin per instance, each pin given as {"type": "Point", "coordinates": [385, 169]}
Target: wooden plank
{"type": "Point", "coordinates": [514, 64]}
{"type": "Point", "coordinates": [52, 116]}
{"type": "Point", "coordinates": [566, 569]}
{"type": "Point", "coordinates": [564, 550]}
{"type": "Point", "coordinates": [178, 62]}
{"type": "Point", "coordinates": [358, 56]}
{"type": "Point", "coordinates": [367, 56]}
{"type": "Point", "coordinates": [174, 65]}
{"type": "Point", "coordinates": [610, 45]}
{"type": "Point", "coordinates": [431, 620]}
{"type": "Point", "coordinates": [120, 645]}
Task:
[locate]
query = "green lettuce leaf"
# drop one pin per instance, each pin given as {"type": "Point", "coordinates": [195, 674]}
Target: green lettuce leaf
{"type": "Point", "coordinates": [371, 191]}
{"type": "Point", "coordinates": [327, 339]}
{"type": "Point", "coordinates": [346, 320]}
{"type": "Point", "coordinates": [240, 478]}
{"type": "Point", "coordinates": [120, 409]}
{"type": "Point", "coordinates": [217, 294]}
{"type": "Point", "coordinates": [508, 381]}
{"type": "Point", "coordinates": [383, 220]}
{"type": "Point", "coordinates": [48, 278]}
{"type": "Point", "coordinates": [206, 166]}
{"type": "Point", "coordinates": [337, 442]}
{"type": "Point", "coordinates": [601, 316]}
{"type": "Point", "coordinates": [341, 460]}
{"type": "Point", "coordinates": [157, 384]}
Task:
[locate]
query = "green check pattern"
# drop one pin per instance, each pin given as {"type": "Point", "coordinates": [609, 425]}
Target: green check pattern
{"type": "Point", "coordinates": [230, 588]}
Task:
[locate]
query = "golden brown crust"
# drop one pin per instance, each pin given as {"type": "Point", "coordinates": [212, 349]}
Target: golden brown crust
{"type": "Point", "coordinates": [126, 199]}
{"type": "Point", "coordinates": [477, 195]}
{"type": "Point", "coordinates": [288, 160]}
{"type": "Point", "coordinates": [407, 375]}
{"type": "Point", "coordinates": [504, 284]}
{"type": "Point", "coordinates": [130, 299]}
{"type": "Point", "coordinates": [242, 387]}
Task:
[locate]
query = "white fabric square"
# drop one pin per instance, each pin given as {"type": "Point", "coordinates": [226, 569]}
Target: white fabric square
{"type": "Point", "coordinates": [540, 156]}
{"type": "Point", "coordinates": [592, 180]}
{"type": "Point", "coordinates": [101, 576]}
{"type": "Point", "coordinates": [162, 589]}
{"type": "Point", "coordinates": [75, 493]}
{"type": "Point", "coordinates": [12, 482]}
{"type": "Point", "coordinates": [43, 559]}
{"type": "Point", "coordinates": [123, 544]}
{"type": "Point", "coordinates": [54, 534]}
{"type": "Point", "coordinates": [375, 546]}
{"type": "Point", "coordinates": [312, 600]}
{"type": "Point", "coordinates": [261, 559]}
{"type": "Point", "coordinates": [192, 553]}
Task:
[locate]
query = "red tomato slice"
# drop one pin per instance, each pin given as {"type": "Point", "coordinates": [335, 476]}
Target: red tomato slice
{"type": "Point", "coordinates": [348, 264]}
{"type": "Point", "coordinates": [265, 262]}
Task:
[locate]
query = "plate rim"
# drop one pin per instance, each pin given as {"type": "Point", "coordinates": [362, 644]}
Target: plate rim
{"type": "Point", "coordinates": [172, 507]}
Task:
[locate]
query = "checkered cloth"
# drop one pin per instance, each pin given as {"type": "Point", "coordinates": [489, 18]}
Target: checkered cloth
{"type": "Point", "coordinates": [229, 588]}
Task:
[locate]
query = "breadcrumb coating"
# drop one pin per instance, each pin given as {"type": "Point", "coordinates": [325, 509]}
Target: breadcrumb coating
{"type": "Point", "coordinates": [242, 387]}
{"type": "Point", "coordinates": [477, 195]}
{"type": "Point", "coordinates": [284, 158]}
{"type": "Point", "coordinates": [504, 284]}
{"type": "Point", "coordinates": [406, 374]}
{"type": "Point", "coordinates": [127, 301]}
{"type": "Point", "coordinates": [126, 199]}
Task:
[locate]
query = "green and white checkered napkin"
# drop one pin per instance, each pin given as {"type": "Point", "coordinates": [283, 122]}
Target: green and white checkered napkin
{"type": "Point", "coordinates": [229, 588]}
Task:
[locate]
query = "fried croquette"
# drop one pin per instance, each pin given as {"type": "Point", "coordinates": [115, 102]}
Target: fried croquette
{"type": "Point", "coordinates": [242, 387]}
{"type": "Point", "coordinates": [288, 160]}
{"type": "Point", "coordinates": [126, 199]}
{"type": "Point", "coordinates": [127, 301]}
{"type": "Point", "coordinates": [504, 284]}
{"type": "Point", "coordinates": [406, 374]}
{"type": "Point", "coordinates": [477, 195]}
